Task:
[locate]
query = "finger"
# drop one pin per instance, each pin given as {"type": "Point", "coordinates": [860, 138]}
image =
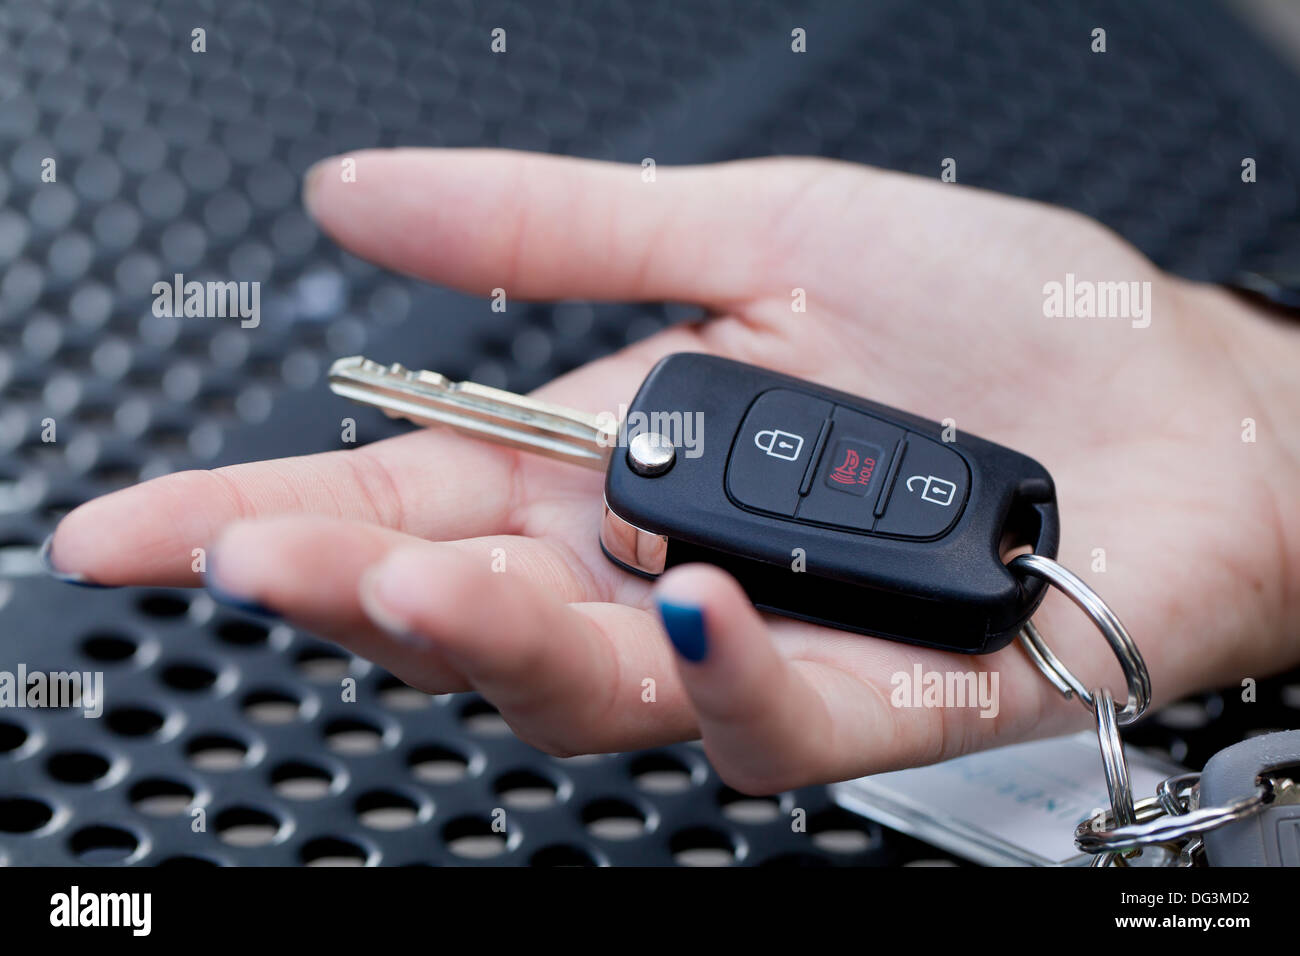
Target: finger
{"type": "Point", "coordinates": [430, 483]}
{"type": "Point", "coordinates": [308, 569]}
{"type": "Point", "coordinates": [830, 707]}
{"type": "Point", "coordinates": [545, 227]}
{"type": "Point", "coordinates": [764, 725]}
{"type": "Point", "coordinates": [567, 678]}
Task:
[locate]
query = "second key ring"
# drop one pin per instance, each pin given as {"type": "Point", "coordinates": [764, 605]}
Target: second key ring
{"type": "Point", "coordinates": [1112, 758]}
{"type": "Point", "coordinates": [1088, 601]}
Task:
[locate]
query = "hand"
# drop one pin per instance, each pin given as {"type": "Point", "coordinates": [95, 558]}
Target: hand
{"type": "Point", "coordinates": [920, 295]}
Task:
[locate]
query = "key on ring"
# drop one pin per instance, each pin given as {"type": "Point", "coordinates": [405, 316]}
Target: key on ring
{"type": "Point", "coordinates": [824, 506]}
{"type": "Point", "coordinates": [1270, 837]}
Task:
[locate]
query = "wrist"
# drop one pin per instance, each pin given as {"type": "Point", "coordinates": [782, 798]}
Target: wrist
{"type": "Point", "coordinates": [1260, 346]}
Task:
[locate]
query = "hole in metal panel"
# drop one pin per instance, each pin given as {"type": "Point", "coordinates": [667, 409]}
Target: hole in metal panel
{"type": "Point", "coordinates": [436, 764]}
{"type": "Point", "coordinates": [217, 752]}
{"type": "Point", "coordinates": [526, 790]}
{"type": "Point", "coordinates": [332, 851]}
{"type": "Point", "coordinates": [23, 814]}
{"type": "Point", "coordinates": [396, 695]}
{"type": "Point", "coordinates": [480, 717]}
{"type": "Point", "coordinates": [299, 780]}
{"type": "Point", "coordinates": [164, 606]}
{"type": "Point", "coordinates": [840, 832]}
{"type": "Point", "coordinates": [241, 633]}
{"type": "Point", "coordinates": [12, 736]}
{"type": "Point", "coordinates": [103, 844]}
{"type": "Point", "coordinates": [189, 676]}
{"type": "Point", "coordinates": [157, 797]}
{"type": "Point", "coordinates": [323, 665]}
{"type": "Point", "coordinates": [741, 808]}
{"type": "Point", "coordinates": [272, 707]}
{"type": "Point", "coordinates": [474, 838]}
{"type": "Point", "coordinates": [387, 810]}
{"type": "Point", "coordinates": [613, 819]}
{"type": "Point", "coordinates": [134, 721]}
{"type": "Point", "coordinates": [562, 855]}
{"type": "Point", "coordinates": [108, 647]}
{"type": "Point", "coordinates": [702, 846]}
{"type": "Point", "coordinates": [77, 766]}
{"type": "Point", "coordinates": [247, 827]}
{"type": "Point", "coordinates": [353, 736]}
{"type": "Point", "coordinates": [661, 773]}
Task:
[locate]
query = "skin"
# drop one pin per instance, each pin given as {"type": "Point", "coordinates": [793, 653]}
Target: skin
{"type": "Point", "coordinates": [921, 295]}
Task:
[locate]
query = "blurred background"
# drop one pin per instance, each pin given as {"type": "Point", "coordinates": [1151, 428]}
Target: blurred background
{"type": "Point", "coordinates": [173, 161]}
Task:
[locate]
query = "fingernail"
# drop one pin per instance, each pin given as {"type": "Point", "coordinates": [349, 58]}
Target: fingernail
{"type": "Point", "coordinates": [311, 182]}
{"type": "Point", "coordinates": [380, 614]}
{"type": "Point", "coordinates": [67, 577]}
{"type": "Point", "coordinates": [685, 626]}
{"type": "Point", "coordinates": [236, 601]}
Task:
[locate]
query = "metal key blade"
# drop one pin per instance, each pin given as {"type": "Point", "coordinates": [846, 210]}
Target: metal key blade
{"type": "Point", "coordinates": [505, 418]}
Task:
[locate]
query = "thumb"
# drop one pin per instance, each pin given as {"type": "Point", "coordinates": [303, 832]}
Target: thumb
{"type": "Point", "coordinates": [766, 728]}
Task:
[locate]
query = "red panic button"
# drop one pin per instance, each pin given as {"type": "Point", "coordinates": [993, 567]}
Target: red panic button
{"type": "Point", "coordinates": [852, 466]}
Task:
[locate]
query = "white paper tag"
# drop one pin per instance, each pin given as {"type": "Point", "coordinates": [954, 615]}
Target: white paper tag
{"type": "Point", "coordinates": [1013, 806]}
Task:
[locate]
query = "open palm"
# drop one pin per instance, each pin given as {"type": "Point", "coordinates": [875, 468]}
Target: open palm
{"type": "Point", "coordinates": [924, 296]}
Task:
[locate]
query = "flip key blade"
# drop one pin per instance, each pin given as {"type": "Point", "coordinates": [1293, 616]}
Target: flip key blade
{"type": "Point", "coordinates": [505, 418]}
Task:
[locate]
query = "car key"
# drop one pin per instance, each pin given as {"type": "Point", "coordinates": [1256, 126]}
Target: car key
{"type": "Point", "coordinates": [505, 418]}
{"type": "Point", "coordinates": [824, 506]}
{"type": "Point", "coordinates": [1269, 836]}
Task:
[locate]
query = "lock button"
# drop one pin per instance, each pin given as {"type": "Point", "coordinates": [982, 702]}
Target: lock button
{"type": "Point", "coordinates": [929, 491]}
{"type": "Point", "coordinates": [777, 442]}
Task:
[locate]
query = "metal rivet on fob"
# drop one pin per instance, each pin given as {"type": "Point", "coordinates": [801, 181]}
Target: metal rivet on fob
{"type": "Point", "coordinates": [650, 454]}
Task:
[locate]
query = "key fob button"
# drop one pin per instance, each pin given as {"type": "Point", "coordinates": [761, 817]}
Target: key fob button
{"type": "Point", "coordinates": [852, 471]}
{"type": "Point", "coordinates": [773, 448]}
{"type": "Point", "coordinates": [860, 462]}
{"type": "Point", "coordinates": [928, 493]}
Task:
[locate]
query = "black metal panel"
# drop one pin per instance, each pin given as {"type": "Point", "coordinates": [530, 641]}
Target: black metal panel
{"type": "Point", "coordinates": [172, 162]}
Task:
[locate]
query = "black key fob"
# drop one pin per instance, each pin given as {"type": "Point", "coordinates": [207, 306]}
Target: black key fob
{"type": "Point", "coordinates": [827, 507]}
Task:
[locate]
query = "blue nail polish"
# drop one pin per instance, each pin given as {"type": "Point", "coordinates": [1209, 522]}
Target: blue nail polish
{"type": "Point", "coordinates": [235, 601]}
{"type": "Point", "coordinates": [80, 580]}
{"type": "Point", "coordinates": [685, 626]}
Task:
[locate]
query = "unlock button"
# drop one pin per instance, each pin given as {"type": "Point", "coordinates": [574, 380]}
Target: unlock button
{"type": "Point", "coordinates": [937, 491]}
{"type": "Point", "coordinates": [929, 492]}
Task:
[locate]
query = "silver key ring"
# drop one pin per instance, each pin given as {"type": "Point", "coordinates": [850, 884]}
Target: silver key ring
{"type": "Point", "coordinates": [1098, 834]}
{"type": "Point", "coordinates": [1112, 758]}
{"type": "Point", "coordinates": [1123, 858]}
{"type": "Point", "coordinates": [1088, 601]}
{"type": "Point", "coordinates": [1170, 792]}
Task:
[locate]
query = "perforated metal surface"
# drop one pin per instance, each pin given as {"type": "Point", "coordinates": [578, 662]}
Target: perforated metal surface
{"type": "Point", "coordinates": [173, 162]}
{"type": "Point", "coordinates": [247, 721]}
